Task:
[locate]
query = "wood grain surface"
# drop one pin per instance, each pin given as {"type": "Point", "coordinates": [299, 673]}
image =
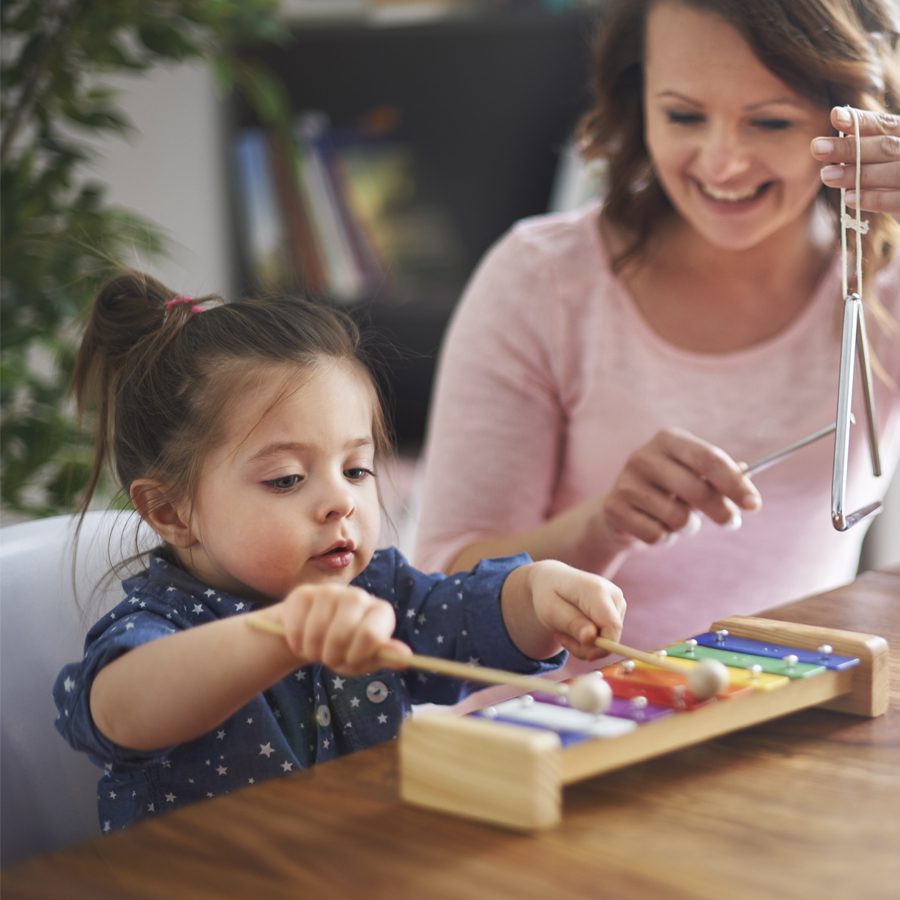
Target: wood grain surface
{"type": "Point", "coordinates": [805, 806]}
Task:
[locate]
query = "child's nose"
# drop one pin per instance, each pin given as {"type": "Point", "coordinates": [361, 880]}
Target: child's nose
{"type": "Point", "coordinates": [336, 500]}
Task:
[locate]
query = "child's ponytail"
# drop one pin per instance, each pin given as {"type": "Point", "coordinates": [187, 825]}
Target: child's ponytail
{"type": "Point", "coordinates": [131, 321]}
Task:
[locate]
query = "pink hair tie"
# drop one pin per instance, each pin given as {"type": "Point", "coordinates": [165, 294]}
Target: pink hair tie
{"type": "Point", "coordinates": [176, 301]}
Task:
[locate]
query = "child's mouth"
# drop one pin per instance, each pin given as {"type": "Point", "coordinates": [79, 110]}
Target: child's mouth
{"type": "Point", "coordinates": [338, 557]}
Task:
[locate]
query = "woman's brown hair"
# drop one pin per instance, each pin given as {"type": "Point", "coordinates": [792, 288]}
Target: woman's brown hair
{"type": "Point", "coordinates": [835, 52]}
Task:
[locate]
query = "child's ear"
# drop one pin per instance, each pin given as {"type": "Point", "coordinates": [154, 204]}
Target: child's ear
{"type": "Point", "coordinates": [154, 505]}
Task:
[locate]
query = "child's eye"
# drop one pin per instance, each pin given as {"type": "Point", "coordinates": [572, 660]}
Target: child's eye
{"type": "Point", "coordinates": [358, 473]}
{"type": "Point", "coordinates": [284, 483]}
{"type": "Point", "coordinates": [683, 118]}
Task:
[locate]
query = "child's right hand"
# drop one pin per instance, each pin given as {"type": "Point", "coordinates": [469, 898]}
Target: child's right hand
{"type": "Point", "coordinates": [340, 626]}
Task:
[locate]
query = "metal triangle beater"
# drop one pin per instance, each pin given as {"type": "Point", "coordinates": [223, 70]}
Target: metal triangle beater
{"type": "Point", "coordinates": [853, 340]}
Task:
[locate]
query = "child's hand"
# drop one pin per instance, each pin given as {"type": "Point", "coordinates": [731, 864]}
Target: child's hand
{"type": "Point", "coordinates": [576, 606]}
{"type": "Point", "coordinates": [340, 626]}
{"type": "Point", "coordinates": [548, 605]}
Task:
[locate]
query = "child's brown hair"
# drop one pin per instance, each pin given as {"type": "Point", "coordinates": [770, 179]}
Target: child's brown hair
{"type": "Point", "coordinates": [160, 369]}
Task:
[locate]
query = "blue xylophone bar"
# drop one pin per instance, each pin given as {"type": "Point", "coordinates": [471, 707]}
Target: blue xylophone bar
{"type": "Point", "coordinates": [774, 651]}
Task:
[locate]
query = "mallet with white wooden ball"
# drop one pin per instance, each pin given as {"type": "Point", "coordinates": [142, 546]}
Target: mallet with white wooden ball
{"type": "Point", "coordinates": [706, 679]}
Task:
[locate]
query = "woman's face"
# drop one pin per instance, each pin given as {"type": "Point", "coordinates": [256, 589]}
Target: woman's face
{"type": "Point", "coordinates": [729, 141]}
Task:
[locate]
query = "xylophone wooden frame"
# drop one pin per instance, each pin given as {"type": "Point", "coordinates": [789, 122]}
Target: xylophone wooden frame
{"type": "Point", "coordinates": [513, 776]}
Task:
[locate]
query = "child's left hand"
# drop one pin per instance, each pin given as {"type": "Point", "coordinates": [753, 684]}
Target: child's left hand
{"type": "Point", "coordinates": [548, 605]}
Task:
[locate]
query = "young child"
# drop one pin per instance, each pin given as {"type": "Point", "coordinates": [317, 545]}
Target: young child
{"type": "Point", "coordinates": [247, 435]}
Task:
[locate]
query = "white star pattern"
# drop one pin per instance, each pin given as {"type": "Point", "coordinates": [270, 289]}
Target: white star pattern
{"type": "Point", "coordinates": [354, 702]}
{"type": "Point", "coordinates": [170, 797]}
{"type": "Point", "coordinates": [266, 750]}
{"type": "Point", "coordinates": [382, 719]}
{"type": "Point", "coordinates": [222, 770]}
{"type": "Point", "coordinates": [338, 683]}
{"type": "Point", "coordinates": [287, 766]}
{"type": "Point", "coordinates": [69, 685]}
{"type": "Point", "coordinates": [198, 609]}
{"type": "Point", "coordinates": [220, 734]}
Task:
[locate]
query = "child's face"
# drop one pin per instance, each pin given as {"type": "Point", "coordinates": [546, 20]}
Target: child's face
{"type": "Point", "coordinates": [729, 141]}
{"type": "Point", "coordinates": [290, 497]}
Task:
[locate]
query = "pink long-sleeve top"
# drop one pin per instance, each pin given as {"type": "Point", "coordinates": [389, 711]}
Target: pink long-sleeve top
{"type": "Point", "coordinates": [549, 378]}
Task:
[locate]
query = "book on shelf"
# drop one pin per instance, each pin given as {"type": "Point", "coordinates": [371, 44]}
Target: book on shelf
{"type": "Point", "coordinates": [340, 211]}
{"type": "Point", "coordinates": [258, 198]}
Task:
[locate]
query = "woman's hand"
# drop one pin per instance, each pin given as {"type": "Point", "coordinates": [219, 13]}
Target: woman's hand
{"type": "Point", "coordinates": [667, 482]}
{"type": "Point", "coordinates": [340, 626]}
{"type": "Point", "coordinates": [879, 158]}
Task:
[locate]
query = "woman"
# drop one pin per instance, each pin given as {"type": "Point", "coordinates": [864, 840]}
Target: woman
{"type": "Point", "coordinates": [609, 370]}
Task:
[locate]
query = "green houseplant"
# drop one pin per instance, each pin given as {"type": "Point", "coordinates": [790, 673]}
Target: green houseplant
{"type": "Point", "coordinates": [59, 236]}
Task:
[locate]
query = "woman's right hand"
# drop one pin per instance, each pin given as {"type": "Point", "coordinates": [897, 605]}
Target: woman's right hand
{"type": "Point", "coordinates": [340, 626]}
{"type": "Point", "coordinates": [667, 482]}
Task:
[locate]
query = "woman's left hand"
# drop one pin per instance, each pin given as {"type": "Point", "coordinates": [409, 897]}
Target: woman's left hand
{"type": "Point", "coordinates": [879, 157]}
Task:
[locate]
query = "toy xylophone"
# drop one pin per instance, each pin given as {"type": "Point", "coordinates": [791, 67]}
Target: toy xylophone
{"type": "Point", "coordinates": [508, 764]}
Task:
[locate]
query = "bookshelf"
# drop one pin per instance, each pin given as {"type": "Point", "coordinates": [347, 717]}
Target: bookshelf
{"type": "Point", "coordinates": [466, 118]}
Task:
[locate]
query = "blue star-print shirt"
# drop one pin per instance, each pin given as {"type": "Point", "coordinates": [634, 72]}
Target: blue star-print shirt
{"type": "Point", "coordinates": [310, 716]}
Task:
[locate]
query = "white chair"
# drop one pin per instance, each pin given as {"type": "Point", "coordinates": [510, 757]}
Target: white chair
{"type": "Point", "coordinates": [49, 791]}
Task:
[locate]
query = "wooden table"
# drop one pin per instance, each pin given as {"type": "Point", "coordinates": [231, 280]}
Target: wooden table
{"type": "Point", "coordinates": [803, 807]}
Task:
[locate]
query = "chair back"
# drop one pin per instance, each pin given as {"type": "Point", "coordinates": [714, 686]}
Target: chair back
{"type": "Point", "coordinates": [49, 791]}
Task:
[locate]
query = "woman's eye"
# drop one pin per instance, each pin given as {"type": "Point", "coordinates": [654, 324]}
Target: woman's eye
{"type": "Point", "coordinates": [683, 118]}
{"type": "Point", "coordinates": [284, 483]}
{"type": "Point", "coordinates": [772, 124]}
{"type": "Point", "coordinates": [358, 473]}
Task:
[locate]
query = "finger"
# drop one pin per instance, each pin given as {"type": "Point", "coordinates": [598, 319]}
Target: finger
{"type": "Point", "coordinates": [319, 619]}
{"type": "Point", "coordinates": [591, 605]}
{"type": "Point", "coordinates": [644, 511]}
{"type": "Point", "coordinates": [395, 648]}
{"type": "Point", "coordinates": [869, 121]}
{"type": "Point", "coordinates": [374, 630]}
{"type": "Point", "coordinates": [875, 201]}
{"type": "Point", "coordinates": [714, 466]}
{"type": "Point", "coordinates": [881, 175]}
{"type": "Point", "coordinates": [294, 614]}
{"type": "Point", "coordinates": [341, 629]}
{"type": "Point", "coordinates": [702, 479]}
{"type": "Point", "coordinates": [583, 651]}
